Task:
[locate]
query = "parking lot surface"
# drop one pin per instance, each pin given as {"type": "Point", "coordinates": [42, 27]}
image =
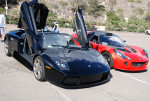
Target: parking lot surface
{"type": "Point", "coordinates": [17, 82]}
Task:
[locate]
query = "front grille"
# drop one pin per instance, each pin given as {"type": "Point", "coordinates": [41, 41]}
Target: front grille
{"type": "Point", "coordinates": [90, 78]}
{"type": "Point", "coordinates": [84, 80]}
{"type": "Point", "coordinates": [138, 64]}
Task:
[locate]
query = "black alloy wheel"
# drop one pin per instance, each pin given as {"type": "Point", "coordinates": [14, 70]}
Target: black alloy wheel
{"type": "Point", "coordinates": [6, 48]}
{"type": "Point", "coordinates": [109, 59]}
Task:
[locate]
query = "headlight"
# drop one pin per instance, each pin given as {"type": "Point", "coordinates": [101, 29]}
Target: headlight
{"type": "Point", "coordinates": [62, 64]}
{"type": "Point", "coordinates": [120, 54]}
{"type": "Point", "coordinates": [145, 52]}
{"type": "Point", "coordinates": [102, 60]}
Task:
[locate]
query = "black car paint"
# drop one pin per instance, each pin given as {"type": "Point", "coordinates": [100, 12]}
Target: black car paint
{"type": "Point", "coordinates": [78, 64]}
{"type": "Point", "coordinates": [28, 43]}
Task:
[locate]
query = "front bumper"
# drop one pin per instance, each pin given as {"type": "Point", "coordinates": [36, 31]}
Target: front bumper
{"type": "Point", "coordinates": [124, 64]}
{"type": "Point", "coordinates": [65, 81]}
{"type": "Point", "coordinates": [82, 81]}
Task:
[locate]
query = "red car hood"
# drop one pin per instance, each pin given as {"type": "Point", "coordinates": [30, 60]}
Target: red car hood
{"type": "Point", "coordinates": [136, 54]}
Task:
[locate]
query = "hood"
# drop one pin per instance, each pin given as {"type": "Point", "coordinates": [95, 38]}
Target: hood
{"type": "Point", "coordinates": [55, 52]}
{"type": "Point", "coordinates": [135, 55]}
{"type": "Point", "coordinates": [80, 62]}
{"type": "Point", "coordinates": [84, 62]}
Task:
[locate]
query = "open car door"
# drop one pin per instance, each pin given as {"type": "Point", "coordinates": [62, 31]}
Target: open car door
{"type": "Point", "coordinates": [80, 27]}
{"type": "Point", "coordinates": [32, 17]}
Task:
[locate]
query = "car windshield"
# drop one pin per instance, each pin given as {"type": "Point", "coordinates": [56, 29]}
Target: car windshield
{"type": "Point", "coordinates": [112, 41]}
{"type": "Point", "coordinates": [60, 40]}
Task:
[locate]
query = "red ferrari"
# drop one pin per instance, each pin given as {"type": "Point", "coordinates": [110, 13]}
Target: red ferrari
{"type": "Point", "coordinates": [117, 53]}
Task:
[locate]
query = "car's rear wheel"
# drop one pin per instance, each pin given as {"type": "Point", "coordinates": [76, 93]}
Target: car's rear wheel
{"type": "Point", "coordinates": [6, 48]}
{"type": "Point", "coordinates": [38, 69]}
{"type": "Point", "coordinates": [109, 59]}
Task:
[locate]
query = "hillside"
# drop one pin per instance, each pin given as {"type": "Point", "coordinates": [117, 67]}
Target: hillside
{"type": "Point", "coordinates": [118, 15]}
{"type": "Point", "coordinates": [125, 7]}
{"type": "Point", "coordinates": [64, 8]}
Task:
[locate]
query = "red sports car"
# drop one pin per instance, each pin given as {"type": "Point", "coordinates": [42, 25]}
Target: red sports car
{"type": "Point", "coordinates": [117, 53]}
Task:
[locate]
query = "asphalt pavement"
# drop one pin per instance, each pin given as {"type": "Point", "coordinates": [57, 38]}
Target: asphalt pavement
{"type": "Point", "coordinates": [17, 82]}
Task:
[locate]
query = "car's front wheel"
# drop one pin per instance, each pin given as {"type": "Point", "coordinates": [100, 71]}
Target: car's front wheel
{"type": "Point", "coordinates": [109, 59]}
{"type": "Point", "coordinates": [38, 69]}
{"type": "Point", "coordinates": [6, 48]}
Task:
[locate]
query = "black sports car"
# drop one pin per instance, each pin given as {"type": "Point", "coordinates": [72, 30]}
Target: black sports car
{"type": "Point", "coordinates": [55, 56]}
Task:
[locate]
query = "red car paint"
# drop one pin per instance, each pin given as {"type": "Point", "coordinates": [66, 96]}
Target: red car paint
{"type": "Point", "coordinates": [138, 61]}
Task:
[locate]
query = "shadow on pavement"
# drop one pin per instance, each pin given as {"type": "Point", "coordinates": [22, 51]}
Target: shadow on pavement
{"type": "Point", "coordinates": [29, 66]}
{"type": "Point", "coordinates": [131, 71]}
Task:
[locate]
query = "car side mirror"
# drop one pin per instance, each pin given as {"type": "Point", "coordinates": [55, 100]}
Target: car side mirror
{"type": "Point", "coordinates": [124, 41]}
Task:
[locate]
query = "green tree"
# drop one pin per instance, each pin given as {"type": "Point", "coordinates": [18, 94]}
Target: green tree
{"type": "Point", "coordinates": [2, 10]}
{"type": "Point", "coordinates": [78, 3]}
{"type": "Point", "coordinates": [147, 17]}
{"type": "Point", "coordinates": [113, 21]}
{"type": "Point", "coordinates": [95, 8]}
{"type": "Point", "coordinates": [133, 24]}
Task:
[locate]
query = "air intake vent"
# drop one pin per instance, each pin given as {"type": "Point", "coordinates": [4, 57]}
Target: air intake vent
{"type": "Point", "coordinates": [122, 49]}
{"type": "Point", "coordinates": [133, 50]}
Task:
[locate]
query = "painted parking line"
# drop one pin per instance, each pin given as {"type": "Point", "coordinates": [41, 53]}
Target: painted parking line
{"type": "Point", "coordinates": [144, 82]}
{"type": "Point", "coordinates": [64, 97]}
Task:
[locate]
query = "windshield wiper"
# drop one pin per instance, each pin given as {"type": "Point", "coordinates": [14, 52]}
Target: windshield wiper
{"type": "Point", "coordinates": [58, 46]}
{"type": "Point", "coordinates": [75, 48]}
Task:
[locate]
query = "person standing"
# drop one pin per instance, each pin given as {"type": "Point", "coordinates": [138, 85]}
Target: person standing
{"type": "Point", "coordinates": [2, 24]}
{"type": "Point", "coordinates": [55, 29]}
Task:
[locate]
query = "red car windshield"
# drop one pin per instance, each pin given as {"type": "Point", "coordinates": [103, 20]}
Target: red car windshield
{"type": "Point", "coordinates": [111, 41]}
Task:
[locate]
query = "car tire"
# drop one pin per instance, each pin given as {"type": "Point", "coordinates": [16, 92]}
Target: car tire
{"type": "Point", "coordinates": [38, 68]}
{"type": "Point", "coordinates": [109, 59]}
{"type": "Point", "coordinates": [6, 48]}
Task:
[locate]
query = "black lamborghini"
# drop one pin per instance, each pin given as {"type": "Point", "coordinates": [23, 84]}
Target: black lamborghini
{"type": "Point", "coordinates": [55, 56]}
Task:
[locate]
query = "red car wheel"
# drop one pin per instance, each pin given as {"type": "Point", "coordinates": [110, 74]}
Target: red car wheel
{"type": "Point", "coordinates": [109, 59]}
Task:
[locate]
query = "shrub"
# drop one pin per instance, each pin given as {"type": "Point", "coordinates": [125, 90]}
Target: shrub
{"type": "Point", "coordinates": [63, 22]}
{"type": "Point", "coordinates": [12, 19]}
{"type": "Point", "coordinates": [63, 3]}
{"type": "Point", "coordinates": [147, 17]}
{"type": "Point", "coordinates": [95, 8]}
{"type": "Point", "coordinates": [138, 11]}
{"type": "Point", "coordinates": [14, 12]}
{"type": "Point", "coordinates": [113, 18]}
{"type": "Point", "coordinates": [130, 0]}
{"type": "Point", "coordinates": [141, 30]}
{"type": "Point", "coordinates": [120, 10]}
{"type": "Point", "coordinates": [2, 10]}
{"type": "Point", "coordinates": [51, 17]}
{"type": "Point", "coordinates": [138, 1]}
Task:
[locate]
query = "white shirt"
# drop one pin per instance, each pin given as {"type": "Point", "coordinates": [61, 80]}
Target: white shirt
{"type": "Point", "coordinates": [2, 18]}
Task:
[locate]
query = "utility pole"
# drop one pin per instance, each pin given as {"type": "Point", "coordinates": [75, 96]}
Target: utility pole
{"type": "Point", "coordinates": [6, 7]}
